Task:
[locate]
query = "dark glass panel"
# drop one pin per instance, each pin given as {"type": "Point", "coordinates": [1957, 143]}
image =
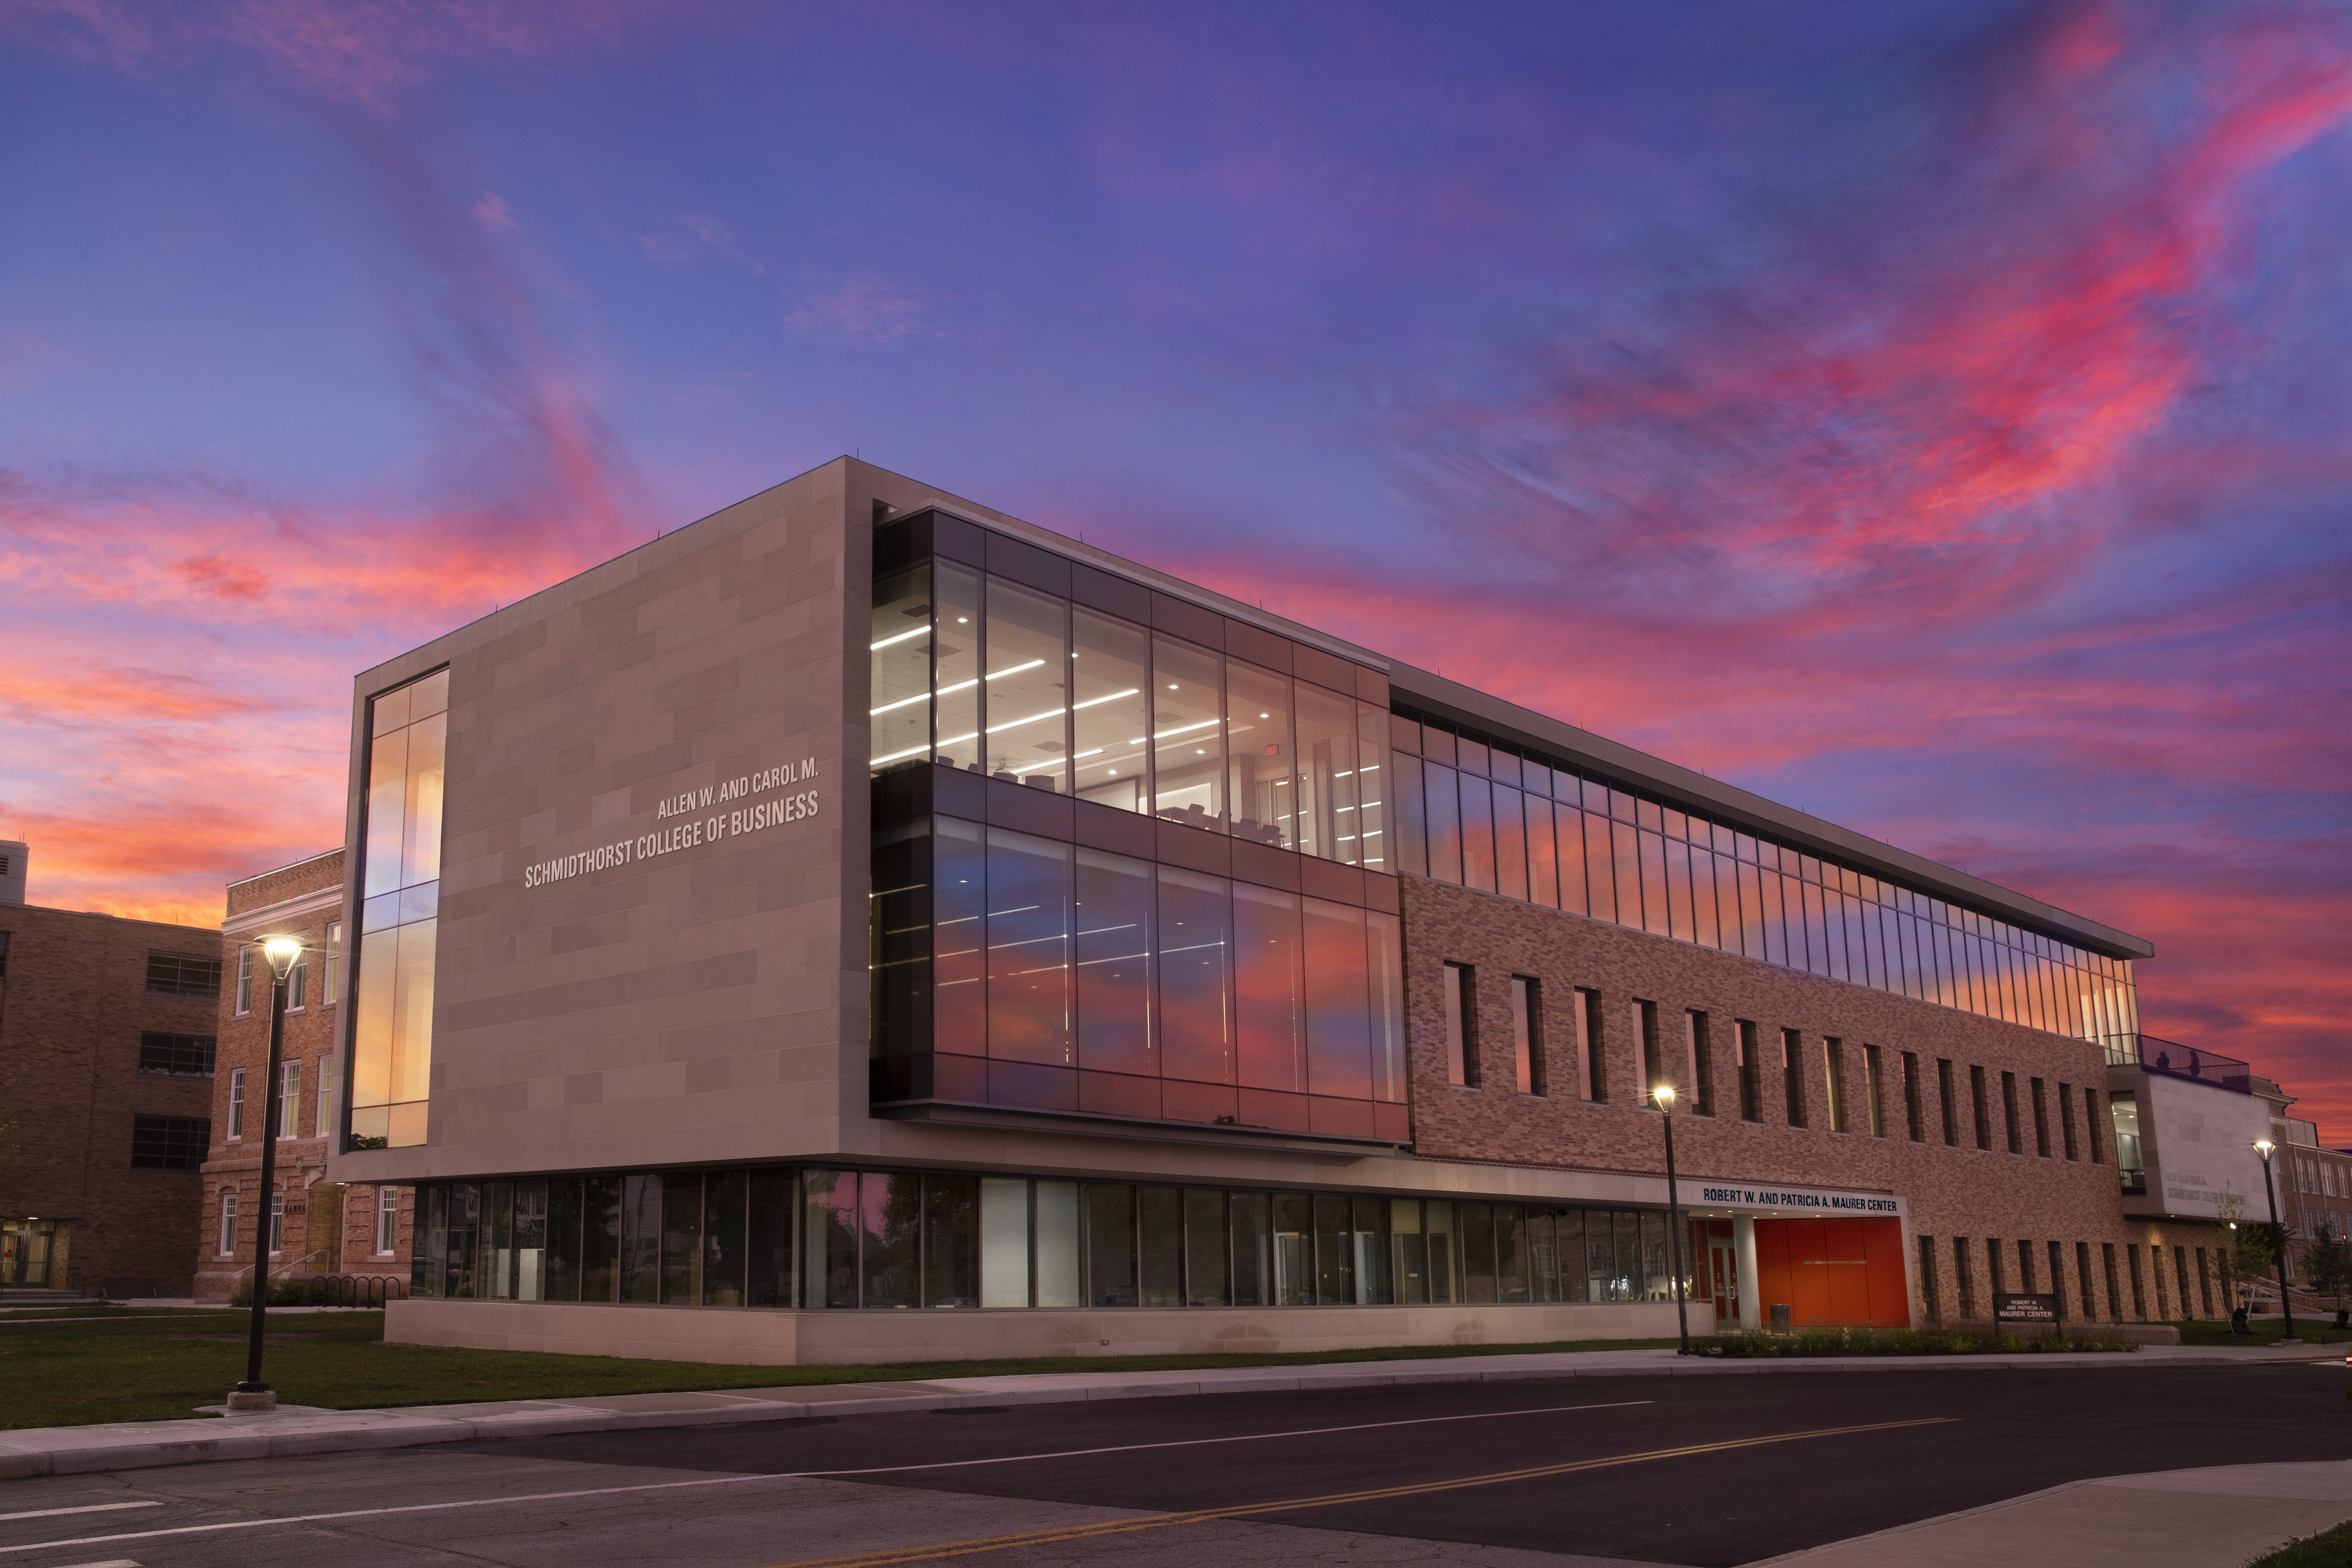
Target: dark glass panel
{"type": "Point", "coordinates": [1269, 989]}
{"type": "Point", "coordinates": [1252, 1250]}
{"type": "Point", "coordinates": [951, 1240]}
{"type": "Point", "coordinates": [1655, 914]}
{"type": "Point", "coordinates": [890, 1219]}
{"type": "Point", "coordinates": [496, 1281]}
{"type": "Point", "coordinates": [723, 1238]}
{"type": "Point", "coordinates": [1438, 1225]}
{"type": "Point", "coordinates": [1708, 931]}
{"type": "Point", "coordinates": [1473, 755]}
{"type": "Point", "coordinates": [1511, 842]}
{"type": "Point", "coordinates": [1569, 823]}
{"type": "Point", "coordinates": [1543, 1257]}
{"type": "Point", "coordinates": [955, 673]}
{"type": "Point", "coordinates": [1680, 922]}
{"type": "Point", "coordinates": [1444, 806]}
{"type": "Point", "coordinates": [899, 668]}
{"type": "Point", "coordinates": [1114, 945]}
{"type": "Point", "coordinates": [1575, 1280]}
{"type": "Point", "coordinates": [465, 1239]}
{"type": "Point", "coordinates": [1404, 734]}
{"type": "Point", "coordinates": [563, 1239]}
{"type": "Point", "coordinates": [1412, 1248]}
{"type": "Point", "coordinates": [641, 1220]}
{"type": "Point", "coordinates": [1206, 1282]}
{"type": "Point", "coordinates": [829, 1237]}
{"type": "Point", "coordinates": [1649, 816]}
{"type": "Point", "coordinates": [1478, 1253]}
{"type": "Point", "coordinates": [1188, 740]}
{"type": "Point", "coordinates": [681, 1238]}
{"type": "Point", "coordinates": [1408, 817]}
{"type": "Point", "coordinates": [1029, 977]}
{"type": "Point", "coordinates": [1293, 1242]}
{"type": "Point", "coordinates": [600, 1240]}
{"type": "Point", "coordinates": [1510, 1255]}
{"type": "Point", "coordinates": [429, 1251]}
{"type": "Point", "coordinates": [1324, 813]}
{"type": "Point", "coordinates": [1110, 1245]}
{"type": "Point", "coordinates": [959, 894]}
{"type": "Point", "coordinates": [1335, 1262]}
{"type": "Point", "coordinates": [774, 1195]}
{"type": "Point", "coordinates": [1437, 743]}
{"type": "Point", "coordinates": [1384, 950]}
{"type": "Point", "coordinates": [1374, 1286]}
{"type": "Point", "coordinates": [1338, 1016]}
{"type": "Point", "coordinates": [1477, 833]}
{"type": "Point", "coordinates": [1160, 1214]}
{"type": "Point", "coordinates": [1196, 1016]}
{"type": "Point", "coordinates": [1625, 844]}
{"type": "Point", "coordinates": [1628, 1231]}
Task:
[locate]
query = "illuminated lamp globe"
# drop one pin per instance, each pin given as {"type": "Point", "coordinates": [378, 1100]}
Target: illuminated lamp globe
{"type": "Point", "coordinates": [281, 951]}
{"type": "Point", "coordinates": [1664, 1095]}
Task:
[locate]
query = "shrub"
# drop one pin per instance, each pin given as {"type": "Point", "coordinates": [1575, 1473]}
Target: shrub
{"type": "Point", "coordinates": [1902, 1341]}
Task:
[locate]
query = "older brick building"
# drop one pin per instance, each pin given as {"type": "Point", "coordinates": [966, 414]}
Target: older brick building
{"type": "Point", "coordinates": [319, 1227]}
{"type": "Point", "coordinates": [106, 1062]}
{"type": "Point", "coordinates": [861, 899]}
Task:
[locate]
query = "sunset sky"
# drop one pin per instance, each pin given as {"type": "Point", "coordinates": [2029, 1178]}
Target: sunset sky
{"type": "Point", "coordinates": [1935, 416]}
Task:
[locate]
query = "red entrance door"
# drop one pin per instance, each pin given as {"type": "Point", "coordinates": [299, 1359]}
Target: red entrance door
{"type": "Point", "coordinates": [1833, 1272]}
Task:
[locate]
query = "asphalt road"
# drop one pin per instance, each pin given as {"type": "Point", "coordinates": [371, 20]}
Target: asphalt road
{"type": "Point", "coordinates": [1698, 1471]}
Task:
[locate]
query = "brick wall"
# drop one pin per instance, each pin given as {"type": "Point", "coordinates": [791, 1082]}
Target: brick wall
{"type": "Point", "coordinates": [72, 1006]}
{"type": "Point", "coordinates": [1951, 1191]}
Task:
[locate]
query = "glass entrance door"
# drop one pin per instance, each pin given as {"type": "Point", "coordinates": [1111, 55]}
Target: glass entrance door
{"type": "Point", "coordinates": [1723, 1276]}
{"type": "Point", "coordinates": [25, 1252]}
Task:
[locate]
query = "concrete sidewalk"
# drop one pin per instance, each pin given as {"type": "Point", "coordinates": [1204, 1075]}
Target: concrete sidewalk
{"type": "Point", "coordinates": [294, 1430]}
{"type": "Point", "coordinates": [2217, 1518]}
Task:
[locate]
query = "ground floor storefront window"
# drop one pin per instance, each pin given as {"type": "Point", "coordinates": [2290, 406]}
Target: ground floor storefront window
{"type": "Point", "coordinates": [810, 1236]}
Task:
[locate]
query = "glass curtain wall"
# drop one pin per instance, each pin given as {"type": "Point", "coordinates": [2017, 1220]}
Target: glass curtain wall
{"type": "Point", "coordinates": [817, 1237]}
{"type": "Point", "coordinates": [400, 883]}
{"type": "Point", "coordinates": [992, 677]}
{"type": "Point", "coordinates": [1475, 816]}
{"type": "Point", "coordinates": [1011, 970]}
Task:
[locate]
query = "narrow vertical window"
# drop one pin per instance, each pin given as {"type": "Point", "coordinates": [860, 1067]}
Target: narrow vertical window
{"type": "Point", "coordinates": [1527, 1037]}
{"type": "Point", "coordinates": [1943, 1096]}
{"type": "Point", "coordinates": [1654, 1070]}
{"type": "Point", "coordinates": [1793, 1075]}
{"type": "Point", "coordinates": [2066, 1120]}
{"type": "Point", "coordinates": [227, 1223]}
{"type": "Point", "coordinates": [1751, 1104]}
{"type": "Point", "coordinates": [289, 1099]}
{"type": "Point", "coordinates": [400, 886]}
{"type": "Point", "coordinates": [1702, 1065]}
{"type": "Point", "coordinates": [331, 979]}
{"type": "Point", "coordinates": [1592, 1077]}
{"type": "Point", "coordinates": [1993, 1275]}
{"type": "Point", "coordinates": [2008, 1113]}
{"type": "Point", "coordinates": [244, 981]}
{"type": "Point", "coordinates": [2090, 1122]}
{"type": "Point", "coordinates": [1834, 1080]}
{"type": "Point", "coordinates": [1873, 1089]}
{"type": "Point", "coordinates": [1977, 1102]}
{"type": "Point", "coordinates": [387, 1220]}
{"type": "Point", "coordinates": [1960, 1277]}
{"type": "Point", "coordinates": [1912, 1119]}
{"type": "Point", "coordinates": [326, 1094]}
{"type": "Point", "coordinates": [1461, 1050]}
{"type": "Point", "coordinates": [277, 1222]}
{"type": "Point", "coordinates": [2040, 1120]}
{"type": "Point", "coordinates": [1928, 1294]}
{"type": "Point", "coordinates": [236, 1103]}
{"type": "Point", "coordinates": [297, 982]}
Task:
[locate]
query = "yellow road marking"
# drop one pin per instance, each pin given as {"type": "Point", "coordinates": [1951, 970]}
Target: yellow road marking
{"type": "Point", "coordinates": [883, 1559]}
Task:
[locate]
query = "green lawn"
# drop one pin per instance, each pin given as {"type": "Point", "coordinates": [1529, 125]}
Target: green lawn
{"type": "Point", "coordinates": [2314, 1330]}
{"type": "Point", "coordinates": [2330, 1549]}
{"type": "Point", "coordinates": [146, 1365]}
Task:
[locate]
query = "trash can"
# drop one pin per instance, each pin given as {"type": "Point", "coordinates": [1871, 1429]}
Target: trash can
{"type": "Point", "coordinates": [1780, 1317]}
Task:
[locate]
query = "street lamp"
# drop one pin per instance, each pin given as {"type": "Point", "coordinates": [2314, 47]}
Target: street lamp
{"type": "Point", "coordinates": [1664, 1095]}
{"type": "Point", "coordinates": [282, 953]}
{"type": "Point", "coordinates": [2263, 1147]}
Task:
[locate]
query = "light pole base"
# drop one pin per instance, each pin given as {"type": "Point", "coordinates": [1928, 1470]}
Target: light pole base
{"type": "Point", "coordinates": [243, 1399]}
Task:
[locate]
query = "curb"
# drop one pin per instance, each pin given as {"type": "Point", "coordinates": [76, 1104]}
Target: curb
{"type": "Point", "coordinates": [399, 1428]}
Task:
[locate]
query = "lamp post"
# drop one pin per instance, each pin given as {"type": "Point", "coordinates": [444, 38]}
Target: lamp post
{"type": "Point", "coordinates": [2263, 1147]}
{"type": "Point", "coordinates": [1664, 1095]}
{"type": "Point", "coordinates": [282, 952]}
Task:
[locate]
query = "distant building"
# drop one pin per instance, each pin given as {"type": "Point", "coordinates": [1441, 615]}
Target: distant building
{"type": "Point", "coordinates": [318, 1227]}
{"type": "Point", "coordinates": [106, 1063]}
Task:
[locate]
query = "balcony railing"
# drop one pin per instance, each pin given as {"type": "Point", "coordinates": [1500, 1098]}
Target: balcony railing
{"type": "Point", "coordinates": [2193, 1063]}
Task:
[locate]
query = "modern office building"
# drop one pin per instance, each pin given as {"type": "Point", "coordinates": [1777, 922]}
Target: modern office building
{"type": "Point", "coordinates": [317, 1227]}
{"type": "Point", "coordinates": [106, 1066]}
{"type": "Point", "coordinates": [863, 924]}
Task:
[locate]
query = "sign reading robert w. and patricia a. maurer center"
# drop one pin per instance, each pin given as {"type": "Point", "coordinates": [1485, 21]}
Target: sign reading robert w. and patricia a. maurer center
{"type": "Point", "coordinates": [1795, 1199]}
{"type": "Point", "coordinates": [693, 817]}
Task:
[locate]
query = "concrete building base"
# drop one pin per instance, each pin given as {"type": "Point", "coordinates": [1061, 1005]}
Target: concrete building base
{"type": "Point", "coordinates": [851, 1338]}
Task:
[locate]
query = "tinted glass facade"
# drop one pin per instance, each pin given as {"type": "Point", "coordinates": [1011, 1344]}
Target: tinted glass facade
{"type": "Point", "coordinates": [1478, 814]}
{"type": "Point", "coordinates": [1013, 970]}
{"type": "Point", "coordinates": [820, 1237]}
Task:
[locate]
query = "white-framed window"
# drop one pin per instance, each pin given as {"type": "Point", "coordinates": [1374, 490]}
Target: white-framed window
{"type": "Point", "coordinates": [326, 1093]}
{"type": "Point", "coordinates": [227, 1223]}
{"type": "Point", "coordinates": [297, 982]}
{"type": "Point", "coordinates": [277, 1222]}
{"type": "Point", "coordinates": [289, 1099]}
{"type": "Point", "coordinates": [244, 981]}
{"type": "Point", "coordinates": [330, 982]}
{"type": "Point", "coordinates": [387, 1221]}
{"type": "Point", "coordinates": [235, 1103]}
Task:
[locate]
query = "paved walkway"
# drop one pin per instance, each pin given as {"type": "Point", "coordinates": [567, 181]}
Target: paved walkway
{"type": "Point", "coordinates": [293, 1430]}
{"type": "Point", "coordinates": [2217, 1518]}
